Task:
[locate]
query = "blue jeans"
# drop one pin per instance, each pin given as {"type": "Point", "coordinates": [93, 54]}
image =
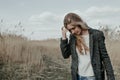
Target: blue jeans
{"type": "Point", "coordinates": [86, 77]}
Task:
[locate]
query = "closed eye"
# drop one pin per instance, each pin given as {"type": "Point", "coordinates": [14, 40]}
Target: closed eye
{"type": "Point", "coordinates": [71, 29]}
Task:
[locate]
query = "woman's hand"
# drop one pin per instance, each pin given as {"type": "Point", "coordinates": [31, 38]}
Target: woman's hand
{"type": "Point", "coordinates": [64, 31]}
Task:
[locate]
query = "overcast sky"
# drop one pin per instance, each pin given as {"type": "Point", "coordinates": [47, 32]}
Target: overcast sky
{"type": "Point", "coordinates": [43, 19]}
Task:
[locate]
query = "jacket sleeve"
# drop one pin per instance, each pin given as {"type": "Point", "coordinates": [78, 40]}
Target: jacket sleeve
{"type": "Point", "coordinates": [65, 48]}
{"type": "Point", "coordinates": [105, 57]}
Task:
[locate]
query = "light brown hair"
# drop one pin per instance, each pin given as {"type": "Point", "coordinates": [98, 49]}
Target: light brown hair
{"type": "Point", "coordinates": [76, 20]}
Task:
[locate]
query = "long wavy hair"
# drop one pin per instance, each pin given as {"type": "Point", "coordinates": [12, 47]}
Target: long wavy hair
{"type": "Point", "coordinates": [75, 20]}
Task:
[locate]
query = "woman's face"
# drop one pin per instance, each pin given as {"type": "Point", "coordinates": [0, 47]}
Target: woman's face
{"type": "Point", "coordinates": [75, 30]}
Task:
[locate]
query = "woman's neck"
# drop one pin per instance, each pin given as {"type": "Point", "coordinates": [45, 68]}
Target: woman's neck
{"type": "Point", "coordinates": [85, 32]}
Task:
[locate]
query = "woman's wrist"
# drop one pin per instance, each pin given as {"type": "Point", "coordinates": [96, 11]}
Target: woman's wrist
{"type": "Point", "coordinates": [64, 37]}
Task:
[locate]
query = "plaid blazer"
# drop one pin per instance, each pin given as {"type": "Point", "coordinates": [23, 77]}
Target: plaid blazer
{"type": "Point", "coordinates": [99, 58]}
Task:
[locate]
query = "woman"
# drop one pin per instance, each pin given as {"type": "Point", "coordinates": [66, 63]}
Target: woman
{"type": "Point", "coordinates": [87, 49]}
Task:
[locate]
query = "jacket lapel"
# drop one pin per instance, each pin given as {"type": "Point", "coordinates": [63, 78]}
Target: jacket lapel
{"type": "Point", "coordinates": [73, 41]}
{"type": "Point", "coordinates": [91, 42]}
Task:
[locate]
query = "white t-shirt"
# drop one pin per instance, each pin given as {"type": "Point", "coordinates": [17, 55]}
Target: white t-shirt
{"type": "Point", "coordinates": [84, 65]}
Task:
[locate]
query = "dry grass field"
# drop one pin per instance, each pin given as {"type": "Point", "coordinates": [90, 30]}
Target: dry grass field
{"type": "Point", "coordinates": [113, 48]}
{"type": "Point", "coordinates": [22, 59]}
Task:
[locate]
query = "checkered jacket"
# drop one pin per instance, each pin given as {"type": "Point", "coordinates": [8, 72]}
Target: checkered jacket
{"type": "Point", "coordinates": [100, 60]}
